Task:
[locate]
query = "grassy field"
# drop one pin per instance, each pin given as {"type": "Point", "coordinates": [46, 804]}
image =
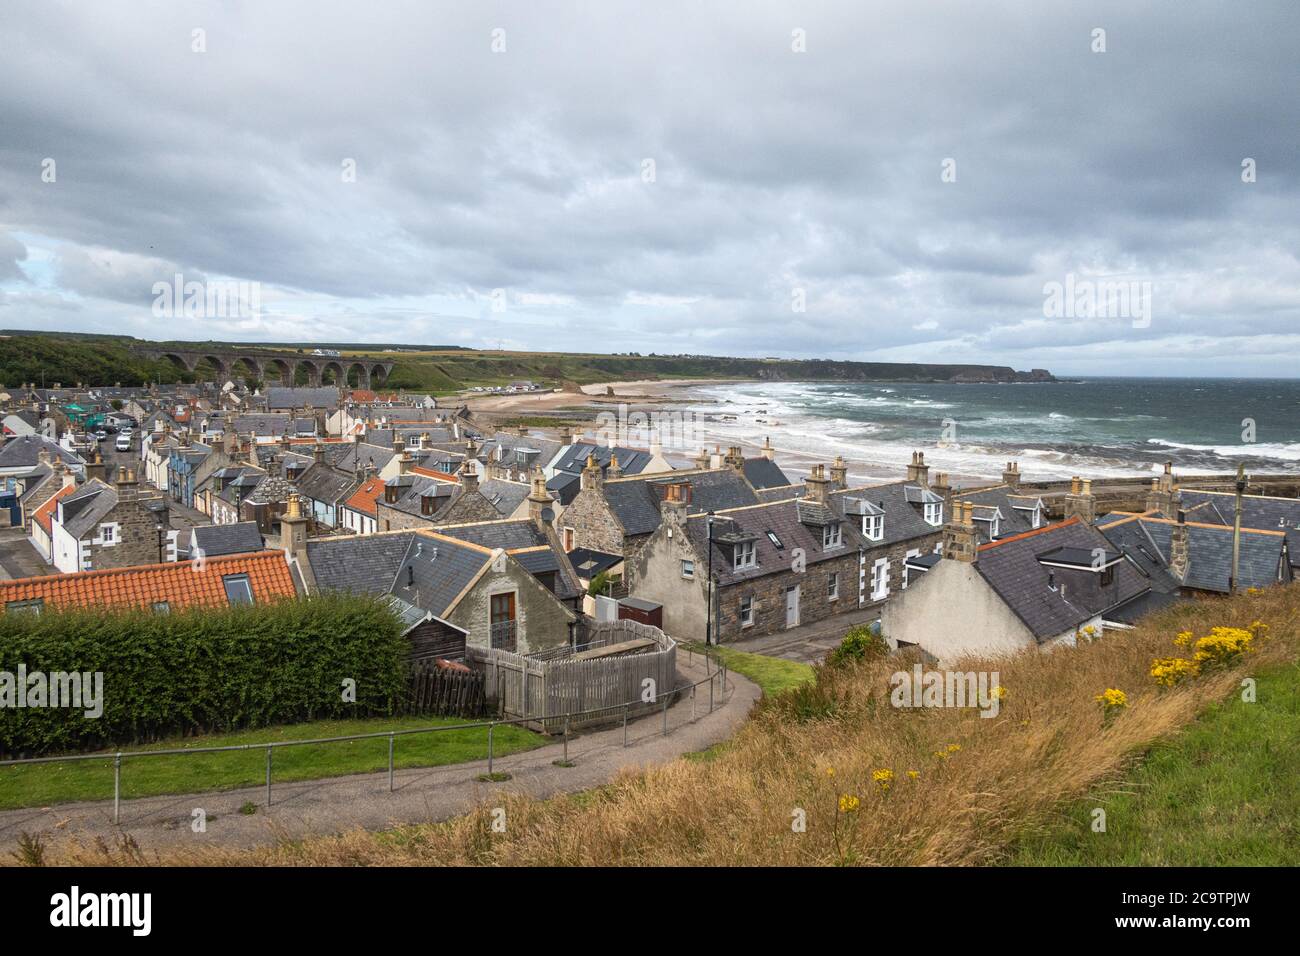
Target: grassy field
{"type": "Point", "coordinates": [877, 784]}
{"type": "Point", "coordinates": [1225, 792]}
{"type": "Point", "coordinates": [39, 785]}
{"type": "Point", "coordinates": [772, 674]}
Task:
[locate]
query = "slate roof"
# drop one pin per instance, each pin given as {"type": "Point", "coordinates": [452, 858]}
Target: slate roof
{"type": "Point", "coordinates": [85, 508]}
{"type": "Point", "coordinates": [903, 519]}
{"type": "Point", "coordinates": [327, 397]}
{"type": "Point", "coordinates": [765, 473]}
{"type": "Point", "coordinates": [24, 452]}
{"type": "Point", "coordinates": [322, 483]}
{"type": "Point", "coordinates": [1014, 511]}
{"type": "Point", "coordinates": [636, 502]}
{"type": "Point", "coordinates": [564, 486]}
{"type": "Point", "coordinates": [364, 564]}
{"type": "Point", "coordinates": [1147, 539]}
{"type": "Point", "coordinates": [220, 539]}
{"type": "Point", "coordinates": [176, 583]}
{"type": "Point", "coordinates": [514, 537]}
{"type": "Point", "coordinates": [506, 496]}
{"type": "Point", "coordinates": [435, 571]}
{"type": "Point", "coordinates": [589, 563]}
{"type": "Point", "coordinates": [754, 523]}
{"type": "Point", "coordinates": [1257, 511]}
{"type": "Point", "coordinates": [631, 461]}
{"type": "Point", "coordinates": [1053, 600]}
{"type": "Point", "coordinates": [271, 490]}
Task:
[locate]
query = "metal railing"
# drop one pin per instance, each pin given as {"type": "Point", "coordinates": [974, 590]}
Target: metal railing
{"type": "Point", "coordinates": [717, 674]}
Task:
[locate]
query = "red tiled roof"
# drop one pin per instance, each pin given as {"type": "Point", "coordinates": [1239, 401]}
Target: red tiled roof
{"type": "Point", "coordinates": [363, 499]}
{"type": "Point", "coordinates": [44, 515]}
{"type": "Point", "coordinates": [177, 583]}
{"type": "Point", "coordinates": [430, 473]}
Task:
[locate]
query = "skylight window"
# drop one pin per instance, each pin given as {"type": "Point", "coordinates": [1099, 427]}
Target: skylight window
{"type": "Point", "coordinates": [239, 590]}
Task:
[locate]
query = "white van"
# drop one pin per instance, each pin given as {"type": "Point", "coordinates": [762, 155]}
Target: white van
{"type": "Point", "coordinates": [123, 443]}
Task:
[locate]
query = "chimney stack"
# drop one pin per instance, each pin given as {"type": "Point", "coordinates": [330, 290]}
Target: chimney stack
{"type": "Point", "coordinates": [1161, 496]}
{"type": "Point", "coordinates": [840, 473]}
{"type": "Point", "coordinates": [539, 499]}
{"type": "Point", "coordinates": [735, 459]}
{"type": "Point", "coordinates": [959, 539]}
{"type": "Point", "coordinates": [918, 471]}
{"type": "Point", "coordinates": [1011, 475]}
{"type": "Point", "coordinates": [293, 527]}
{"type": "Point", "coordinates": [468, 476]}
{"type": "Point", "coordinates": [817, 486]}
{"type": "Point", "coordinates": [591, 473]}
{"type": "Point", "coordinates": [768, 451]}
{"type": "Point", "coordinates": [614, 471]}
{"type": "Point", "coordinates": [1080, 500]}
{"type": "Point", "coordinates": [1180, 556]}
{"type": "Point", "coordinates": [702, 459]}
{"type": "Point", "coordinates": [95, 468]}
{"type": "Point", "coordinates": [318, 453]}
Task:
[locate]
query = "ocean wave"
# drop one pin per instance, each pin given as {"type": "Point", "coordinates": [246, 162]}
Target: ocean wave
{"type": "Point", "coordinates": [1278, 450]}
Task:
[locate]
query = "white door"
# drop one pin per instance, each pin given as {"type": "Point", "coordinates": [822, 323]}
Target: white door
{"type": "Point", "coordinates": [792, 606]}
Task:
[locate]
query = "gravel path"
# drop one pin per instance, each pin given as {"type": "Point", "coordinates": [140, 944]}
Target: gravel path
{"type": "Point", "coordinates": [336, 804]}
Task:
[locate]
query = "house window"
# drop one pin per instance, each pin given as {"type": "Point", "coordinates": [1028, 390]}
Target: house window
{"type": "Point", "coordinates": [771, 536]}
{"type": "Point", "coordinates": [1108, 576]}
{"type": "Point", "coordinates": [688, 569]}
{"type": "Point", "coordinates": [568, 539]}
{"type": "Point", "coordinates": [1037, 518]}
{"type": "Point", "coordinates": [32, 606]}
{"type": "Point", "coordinates": [108, 533]}
{"type": "Point", "coordinates": [747, 612]}
{"type": "Point", "coordinates": [162, 607]}
{"type": "Point", "coordinates": [504, 634]}
{"type": "Point", "coordinates": [832, 587]}
{"type": "Point", "coordinates": [832, 536]}
{"type": "Point", "coordinates": [934, 513]}
{"type": "Point", "coordinates": [873, 526]}
{"type": "Point", "coordinates": [239, 590]}
{"type": "Point", "coordinates": [880, 579]}
{"type": "Point", "coordinates": [745, 555]}
{"type": "Point", "coordinates": [912, 553]}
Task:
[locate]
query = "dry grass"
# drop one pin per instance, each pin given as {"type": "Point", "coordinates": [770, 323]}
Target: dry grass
{"type": "Point", "coordinates": [1048, 744]}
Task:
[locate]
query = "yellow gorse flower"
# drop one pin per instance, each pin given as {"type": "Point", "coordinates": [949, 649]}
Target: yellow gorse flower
{"type": "Point", "coordinates": [849, 803]}
{"type": "Point", "coordinates": [1171, 671]}
{"type": "Point", "coordinates": [883, 777]}
{"type": "Point", "coordinates": [914, 774]}
{"type": "Point", "coordinates": [1112, 697]}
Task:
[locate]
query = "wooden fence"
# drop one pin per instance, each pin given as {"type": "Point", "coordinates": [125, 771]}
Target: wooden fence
{"type": "Point", "coordinates": [541, 688]}
{"type": "Point", "coordinates": [446, 693]}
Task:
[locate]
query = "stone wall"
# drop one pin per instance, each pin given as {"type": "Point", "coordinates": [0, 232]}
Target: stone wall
{"type": "Point", "coordinates": [136, 536]}
{"type": "Point", "coordinates": [593, 523]}
{"type": "Point", "coordinates": [769, 595]}
{"type": "Point", "coordinates": [542, 621]}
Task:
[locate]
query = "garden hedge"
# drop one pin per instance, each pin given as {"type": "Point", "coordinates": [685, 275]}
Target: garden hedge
{"type": "Point", "coordinates": [201, 671]}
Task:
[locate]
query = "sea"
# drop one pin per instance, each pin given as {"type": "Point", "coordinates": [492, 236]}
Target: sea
{"type": "Point", "coordinates": [1098, 427]}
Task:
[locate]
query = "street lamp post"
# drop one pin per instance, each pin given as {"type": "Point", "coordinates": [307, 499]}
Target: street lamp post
{"type": "Point", "coordinates": [1236, 529]}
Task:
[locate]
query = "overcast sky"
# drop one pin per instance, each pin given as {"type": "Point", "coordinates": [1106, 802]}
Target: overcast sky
{"type": "Point", "coordinates": [737, 178]}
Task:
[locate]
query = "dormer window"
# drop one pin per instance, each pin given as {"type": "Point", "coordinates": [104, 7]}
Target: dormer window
{"type": "Point", "coordinates": [873, 527]}
{"type": "Point", "coordinates": [832, 536]}
{"type": "Point", "coordinates": [934, 513]}
{"type": "Point", "coordinates": [744, 555]}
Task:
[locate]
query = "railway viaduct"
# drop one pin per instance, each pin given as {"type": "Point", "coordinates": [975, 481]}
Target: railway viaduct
{"type": "Point", "coordinates": [267, 365]}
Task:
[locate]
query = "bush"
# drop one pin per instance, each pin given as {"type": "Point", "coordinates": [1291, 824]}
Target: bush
{"type": "Point", "coordinates": [861, 643]}
{"type": "Point", "coordinates": [203, 670]}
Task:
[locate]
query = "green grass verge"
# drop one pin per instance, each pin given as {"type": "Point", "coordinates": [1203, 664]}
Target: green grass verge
{"type": "Point", "coordinates": [1224, 792]}
{"type": "Point", "coordinates": [773, 674]}
{"type": "Point", "coordinates": [38, 785]}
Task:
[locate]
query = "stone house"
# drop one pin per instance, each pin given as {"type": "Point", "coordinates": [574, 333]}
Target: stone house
{"type": "Point", "coordinates": [103, 525]}
{"type": "Point", "coordinates": [617, 515]}
{"type": "Point", "coordinates": [1040, 589]}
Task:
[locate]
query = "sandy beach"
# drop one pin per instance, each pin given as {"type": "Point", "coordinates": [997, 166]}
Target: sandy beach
{"type": "Point", "coordinates": [653, 397]}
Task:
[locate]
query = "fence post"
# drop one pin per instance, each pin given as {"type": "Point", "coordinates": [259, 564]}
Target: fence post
{"type": "Point", "coordinates": [491, 727]}
{"type": "Point", "coordinates": [566, 738]}
{"type": "Point", "coordinates": [268, 776]}
{"type": "Point", "coordinates": [117, 787]}
{"type": "Point", "coordinates": [666, 696]}
{"type": "Point", "coordinates": [693, 702]}
{"type": "Point", "coordinates": [625, 725]}
{"type": "Point", "coordinates": [711, 676]}
{"type": "Point", "coordinates": [390, 762]}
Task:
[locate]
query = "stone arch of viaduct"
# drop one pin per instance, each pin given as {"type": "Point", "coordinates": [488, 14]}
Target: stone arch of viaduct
{"type": "Point", "coordinates": [268, 366]}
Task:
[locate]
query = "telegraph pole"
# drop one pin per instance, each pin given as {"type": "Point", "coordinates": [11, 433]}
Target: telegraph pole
{"type": "Point", "coordinates": [1236, 529]}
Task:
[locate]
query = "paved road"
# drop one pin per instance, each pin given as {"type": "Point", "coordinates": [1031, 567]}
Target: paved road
{"type": "Point", "coordinates": [338, 804]}
{"type": "Point", "coordinates": [808, 643]}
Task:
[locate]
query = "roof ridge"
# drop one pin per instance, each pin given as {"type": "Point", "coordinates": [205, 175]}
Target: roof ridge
{"type": "Point", "coordinates": [1068, 522]}
{"type": "Point", "coordinates": [137, 568]}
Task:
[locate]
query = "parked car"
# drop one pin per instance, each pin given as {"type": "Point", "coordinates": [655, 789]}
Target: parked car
{"type": "Point", "coordinates": [123, 442]}
{"type": "Point", "coordinates": [101, 435]}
